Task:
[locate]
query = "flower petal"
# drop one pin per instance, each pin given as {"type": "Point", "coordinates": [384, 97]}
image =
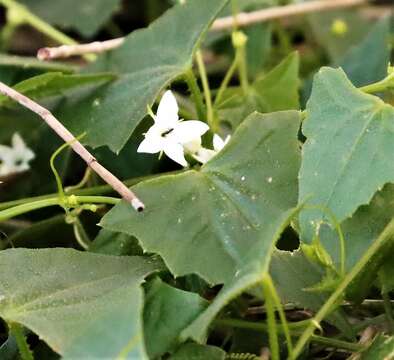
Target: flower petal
{"type": "Point", "coordinates": [175, 152]}
{"type": "Point", "coordinates": [167, 112]}
{"type": "Point", "coordinates": [204, 155]}
{"type": "Point", "coordinates": [218, 143]}
{"type": "Point", "coordinates": [193, 146]}
{"type": "Point", "coordinates": [150, 145]}
{"type": "Point", "coordinates": [17, 143]}
{"type": "Point", "coordinates": [187, 131]}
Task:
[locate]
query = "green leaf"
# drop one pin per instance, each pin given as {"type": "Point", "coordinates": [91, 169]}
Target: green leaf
{"type": "Point", "coordinates": [382, 348]}
{"type": "Point", "coordinates": [338, 45]}
{"type": "Point", "coordinates": [278, 90]}
{"type": "Point", "coordinates": [293, 274]}
{"type": "Point", "coordinates": [358, 64]}
{"type": "Point", "coordinates": [85, 16]}
{"type": "Point", "coordinates": [53, 83]}
{"type": "Point", "coordinates": [274, 91]}
{"type": "Point", "coordinates": [148, 61]}
{"type": "Point", "coordinates": [83, 305]}
{"type": "Point", "coordinates": [113, 243]}
{"type": "Point", "coordinates": [347, 155]}
{"type": "Point", "coordinates": [167, 312]}
{"type": "Point", "coordinates": [230, 210]}
{"type": "Point", "coordinates": [198, 352]}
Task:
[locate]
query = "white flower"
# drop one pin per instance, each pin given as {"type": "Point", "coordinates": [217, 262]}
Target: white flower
{"type": "Point", "coordinates": [169, 134]}
{"type": "Point", "coordinates": [16, 158]}
{"type": "Point", "coordinates": [203, 155]}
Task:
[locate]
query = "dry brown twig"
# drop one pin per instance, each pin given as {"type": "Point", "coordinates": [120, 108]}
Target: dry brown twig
{"type": "Point", "coordinates": [69, 138]}
{"type": "Point", "coordinates": [242, 19]}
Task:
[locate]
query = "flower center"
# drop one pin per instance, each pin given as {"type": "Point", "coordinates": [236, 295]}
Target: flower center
{"type": "Point", "coordinates": [165, 133]}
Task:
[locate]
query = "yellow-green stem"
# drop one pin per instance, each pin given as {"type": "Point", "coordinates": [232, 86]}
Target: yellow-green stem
{"type": "Point", "coordinates": [191, 80]}
{"type": "Point", "coordinates": [271, 321]}
{"type": "Point", "coordinates": [55, 201]}
{"type": "Point", "coordinates": [17, 331]}
{"type": "Point", "coordinates": [206, 89]}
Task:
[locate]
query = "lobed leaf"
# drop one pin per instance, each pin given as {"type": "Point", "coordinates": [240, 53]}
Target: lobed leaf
{"type": "Point", "coordinates": [227, 213]}
{"type": "Point", "coordinates": [347, 155]}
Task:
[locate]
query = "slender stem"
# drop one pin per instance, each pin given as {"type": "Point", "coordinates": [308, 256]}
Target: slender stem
{"type": "Point", "coordinates": [82, 183]}
{"type": "Point", "coordinates": [196, 94]}
{"type": "Point", "coordinates": [206, 89]}
{"type": "Point", "coordinates": [282, 316]}
{"type": "Point", "coordinates": [380, 86]}
{"type": "Point", "coordinates": [338, 344]}
{"type": "Point", "coordinates": [388, 309]}
{"type": "Point", "coordinates": [17, 331]}
{"type": "Point", "coordinates": [271, 321]}
{"type": "Point", "coordinates": [387, 234]}
{"type": "Point", "coordinates": [242, 19]}
{"type": "Point", "coordinates": [69, 138]}
{"type": "Point", "coordinates": [243, 69]}
{"type": "Point", "coordinates": [223, 86]}
{"type": "Point", "coordinates": [95, 190]}
{"type": "Point", "coordinates": [80, 234]}
{"type": "Point", "coordinates": [55, 201]}
{"type": "Point", "coordinates": [244, 324]}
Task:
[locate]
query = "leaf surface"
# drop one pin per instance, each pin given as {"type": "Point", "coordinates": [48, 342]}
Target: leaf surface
{"type": "Point", "coordinates": [348, 153]}
{"type": "Point", "coordinates": [83, 305]}
{"type": "Point", "coordinates": [227, 213]}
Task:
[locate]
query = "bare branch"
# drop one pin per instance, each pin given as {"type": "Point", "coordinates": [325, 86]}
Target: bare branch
{"type": "Point", "coordinates": [66, 135]}
{"type": "Point", "coordinates": [66, 51]}
{"type": "Point", "coordinates": [242, 19]}
{"type": "Point", "coordinates": [278, 12]}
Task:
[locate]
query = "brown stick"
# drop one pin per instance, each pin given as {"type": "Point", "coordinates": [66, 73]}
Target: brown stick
{"type": "Point", "coordinates": [242, 19]}
{"type": "Point", "coordinates": [66, 135]}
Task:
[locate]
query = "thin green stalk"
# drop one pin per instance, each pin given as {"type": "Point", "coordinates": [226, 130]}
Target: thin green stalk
{"type": "Point", "coordinates": [282, 316]}
{"type": "Point", "coordinates": [338, 344]}
{"type": "Point", "coordinates": [244, 324]}
{"type": "Point", "coordinates": [379, 86]}
{"type": "Point", "coordinates": [223, 86]}
{"type": "Point", "coordinates": [243, 70]}
{"type": "Point", "coordinates": [55, 201]}
{"type": "Point", "coordinates": [42, 26]}
{"type": "Point", "coordinates": [271, 321]}
{"type": "Point", "coordinates": [96, 190]}
{"type": "Point", "coordinates": [196, 94]}
{"type": "Point", "coordinates": [387, 234]}
{"type": "Point", "coordinates": [82, 183]}
{"type": "Point", "coordinates": [206, 89]}
{"type": "Point", "coordinates": [388, 309]}
{"type": "Point", "coordinates": [81, 235]}
{"type": "Point", "coordinates": [17, 331]}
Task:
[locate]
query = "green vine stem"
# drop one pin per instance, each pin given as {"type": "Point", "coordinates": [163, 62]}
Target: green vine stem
{"type": "Point", "coordinates": [239, 40]}
{"type": "Point", "coordinates": [95, 190]}
{"type": "Point", "coordinates": [191, 81]}
{"type": "Point", "coordinates": [271, 321]}
{"type": "Point", "coordinates": [72, 201]}
{"type": "Point", "coordinates": [338, 344]}
{"type": "Point", "coordinates": [380, 86]}
{"type": "Point", "coordinates": [206, 89]}
{"type": "Point", "coordinates": [17, 331]}
{"type": "Point", "coordinates": [387, 234]}
{"type": "Point", "coordinates": [295, 327]}
{"type": "Point", "coordinates": [282, 316]}
{"type": "Point", "coordinates": [26, 16]}
{"type": "Point", "coordinates": [229, 75]}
